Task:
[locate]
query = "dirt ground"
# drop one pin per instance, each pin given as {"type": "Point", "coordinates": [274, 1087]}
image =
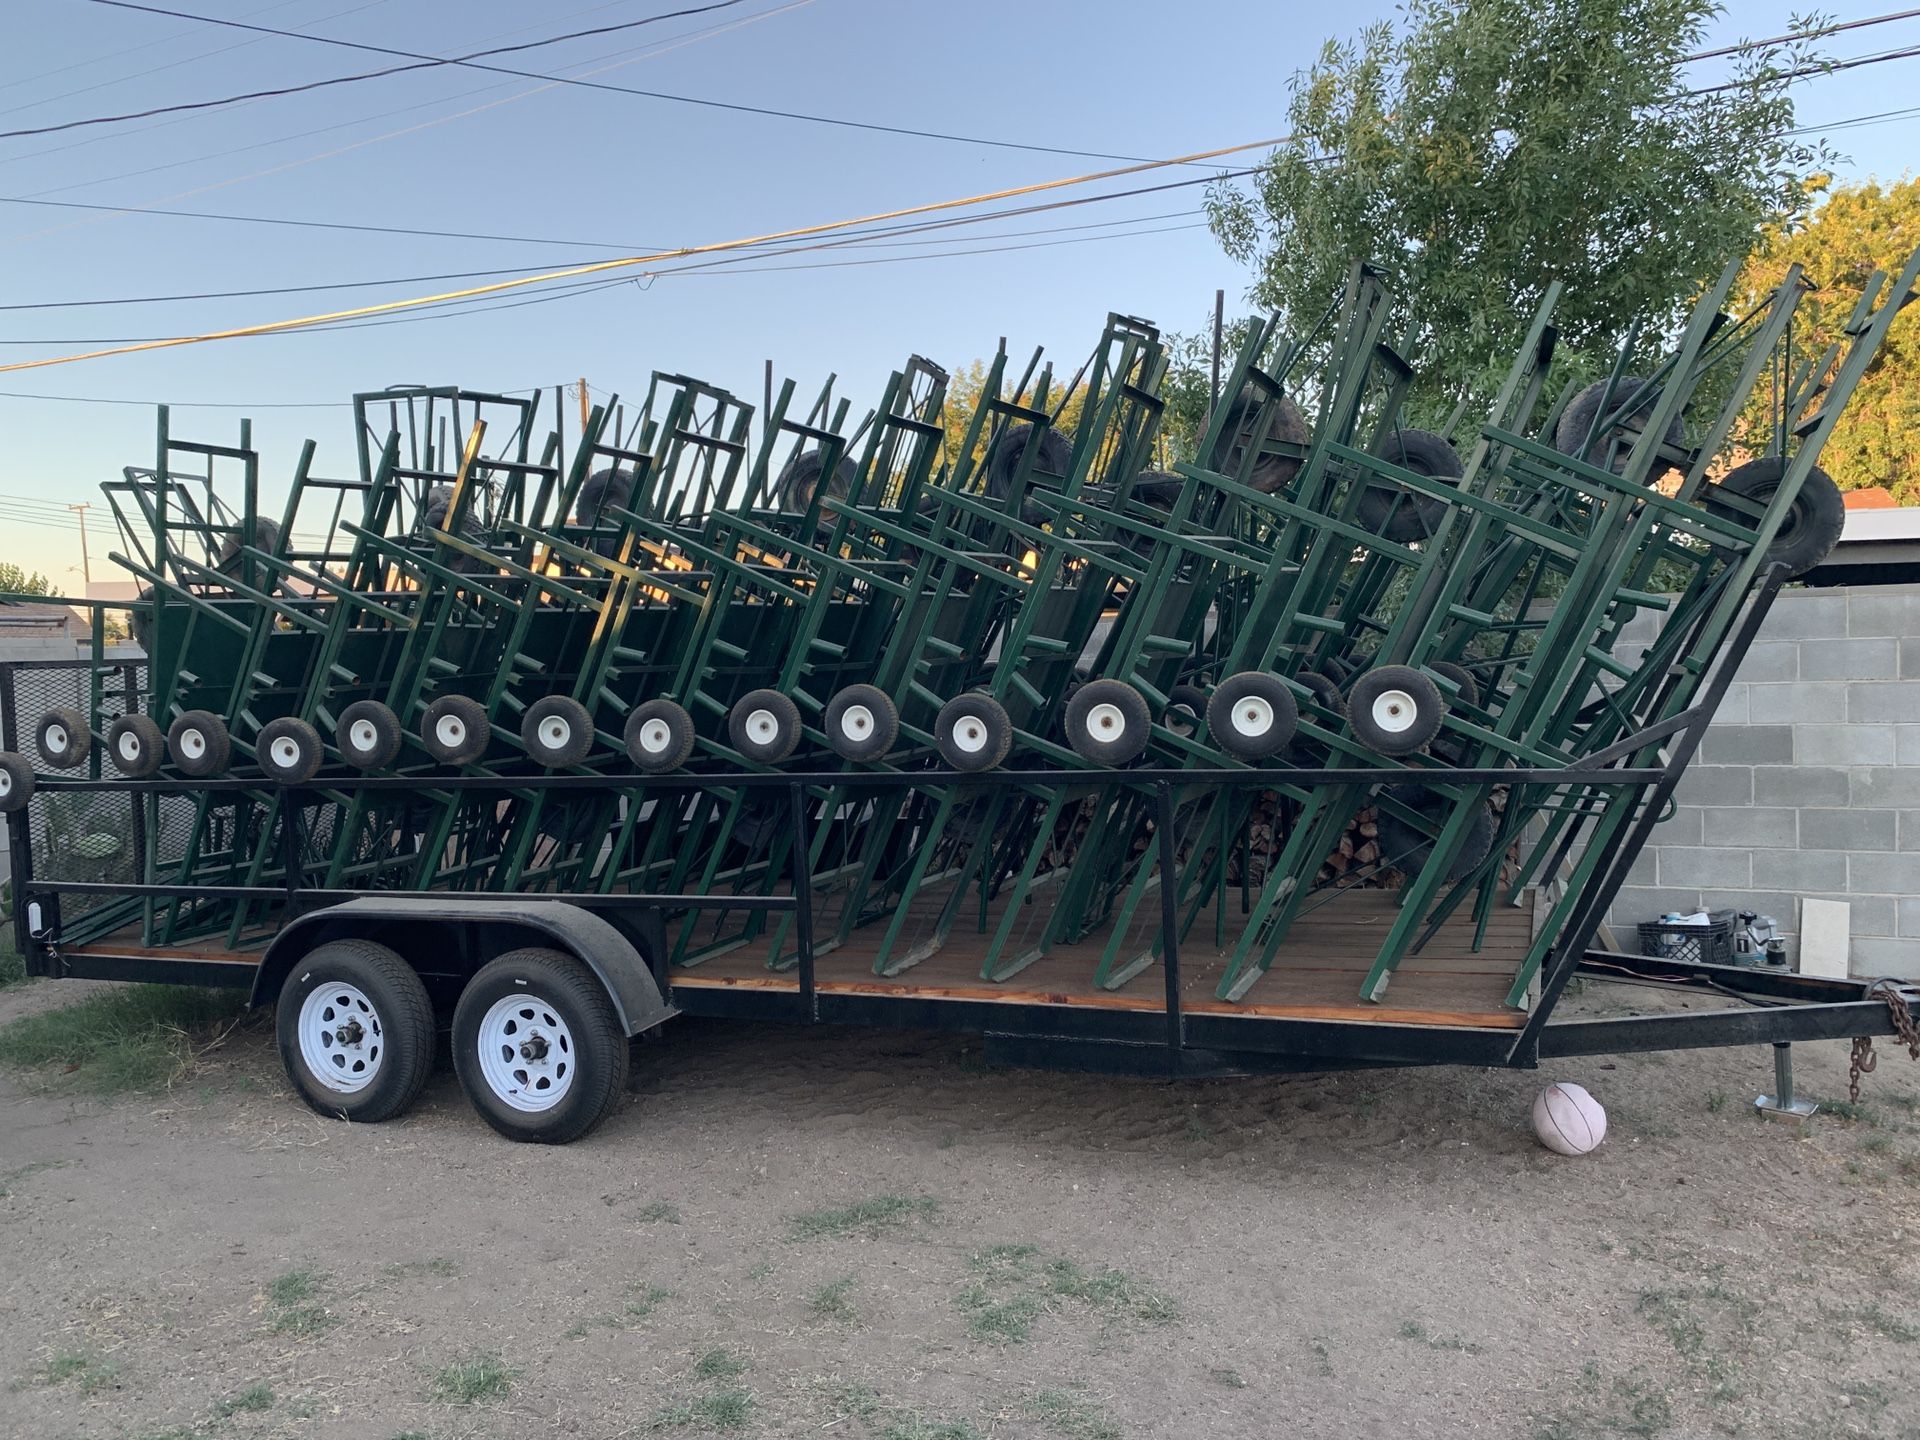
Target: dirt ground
{"type": "Point", "coordinates": [788, 1233]}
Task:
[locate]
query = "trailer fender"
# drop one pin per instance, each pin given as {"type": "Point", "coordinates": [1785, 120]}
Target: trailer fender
{"type": "Point", "coordinates": [466, 933]}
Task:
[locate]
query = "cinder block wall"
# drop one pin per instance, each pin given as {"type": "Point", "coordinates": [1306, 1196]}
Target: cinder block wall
{"type": "Point", "coordinates": [1808, 781]}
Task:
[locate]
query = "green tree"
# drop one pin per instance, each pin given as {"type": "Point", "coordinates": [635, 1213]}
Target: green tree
{"type": "Point", "coordinates": [1188, 387]}
{"type": "Point", "coordinates": [1859, 228]}
{"type": "Point", "coordinates": [17, 581]}
{"type": "Point", "coordinates": [965, 387]}
{"type": "Point", "coordinates": [1481, 150]}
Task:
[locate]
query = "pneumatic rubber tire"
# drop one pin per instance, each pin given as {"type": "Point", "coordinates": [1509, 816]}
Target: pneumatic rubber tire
{"type": "Point", "coordinates": [1326, 693]}
{"type": "Point", "coordinates": [455, 730]}
{"type": "Point", "coordinates": [1395, 710]}
{"type": "Point", "coordinates": [1810, 528]}
{"type": "Point", "coordinates": [368, 735]}
{"type": "Point", "coordinates": [62, 738]}
{"type": "Point", "coordinates": [1185, 705]}
{"type": "Point", "coordinates": [544, 997]}
{"type": "Point", "coordinates": [973, 732]}
{"type": "Point", "coordinates": [764, 725]}
{"type": "Point", "coordinates": [658, 736]}
{"type": "Point", "coordinates": [1408, 849]}
{"type": "Point", "coordinates": [1461, 677]}
{"type": "Point", "coordinates": [16, 782]}
{"type": "Point", "coordinates": [862, 723]}
{"type": "Point", "coordinates": [1108, 722]}
{"type": "Point", "coordinates": [1252, 716]}
{"type": "Point", "coordinates": [1404, 516]}
{"type": "Point", "coordinates": [199, 745]}
{"type": "Point", "coordinates": [1584, 410]}
{"type": "Point", "coordinates": [557, 731]}
{"type": "Point", "coordinates": [289, 751]}
{"type": "Point", "coordinates": [136, 746]}
{"type": "Point", "coordinates": [371, 988]}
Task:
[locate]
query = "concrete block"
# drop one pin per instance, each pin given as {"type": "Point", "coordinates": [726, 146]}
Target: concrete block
{"type": "Point", "coordinates": [1874, 610]}
{"type": "Point", "coordinates": [1683, 827]}
{"type": "Point", "coordinates": [1810, 615]}
{"type": "Point", "coordinates": [1872, 914]}
{"type": "Point", "coordinates": [1882, 874]}
{"type": "Point", "coordinates": [1848, 829]}
{"type": "Point", "coordinates": [1635, 903]}
{"type": "Point", "coordinates": [1910, 659]}
{"type": "Point", "coordinates": [1846, 744]}
{"type": "Point", "coordinates": [1732, 709]}
{"type": "Point", "coordinates": [1824, 930]}
{"type": "Point", "coordinates": [1907, 916]}
{"type": "Point", "coordinates": [1783, 905]}
{"type": "Point", "coordinates": [1751, 827]}
{"type": "Point", "coordinates": [1800, 871]}
{"type": "Point", "coordinates": [1770, 660]}
{"type": "Point", "coordinates": [1800, 785]}
{"type": "Point", "coordinates": [1886, 702]}
{"type": "Point", "coordinates": [1876, 658]}
{"type": "Point", "coordinates": [1873, 956]}
{"type": "Point", "coordinates": [1748, 744]}
{"type": "Point", "coordinates": [1727, 785]}
{"type": "Point", "coordinates": [1883, 787]}
{"type": "Point", "coordinates": [1704, 865]}
{"type": "Point", "coordinates": [1909, 829]}
{"type": "Point", "coordinates": [1802, 702]}
{"type": "Point", "coordinates": [1906, 743]}
{"type": "Point", "coordinates": [1645, 868]}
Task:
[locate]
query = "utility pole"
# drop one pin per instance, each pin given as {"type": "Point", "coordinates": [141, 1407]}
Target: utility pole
{"type": "Point", "coordinates": [585, 409]}
{"type": "Point", "coordinates": [86, 565]}
{"type": "Point", "coordinates": [1219, 323]}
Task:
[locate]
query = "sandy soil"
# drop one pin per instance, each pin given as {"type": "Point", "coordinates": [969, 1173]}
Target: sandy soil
{"type": "Point", "coordinates": [1383, 1254]}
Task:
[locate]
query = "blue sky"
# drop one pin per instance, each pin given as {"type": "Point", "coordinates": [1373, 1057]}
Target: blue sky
{"type": "Point", "coordinates": [454, 149]}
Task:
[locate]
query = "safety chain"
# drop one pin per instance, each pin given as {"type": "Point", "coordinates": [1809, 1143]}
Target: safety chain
{"type": "Point", "coordinates": [1904, 1026]}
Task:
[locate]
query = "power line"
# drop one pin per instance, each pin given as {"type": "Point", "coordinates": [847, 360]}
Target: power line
{"type": "Point", "coordinates": [1824, 67]}
{"type": "Point", "coordinates": [1816, 34]}
{"type": "Point", "coordinates": [424, 63]}
{"type": "Point", "coordinates": [221, 404]}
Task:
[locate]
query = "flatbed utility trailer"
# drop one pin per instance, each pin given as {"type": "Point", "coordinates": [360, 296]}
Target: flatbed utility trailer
{"type": "Point", "coordinates": [1318, 751]}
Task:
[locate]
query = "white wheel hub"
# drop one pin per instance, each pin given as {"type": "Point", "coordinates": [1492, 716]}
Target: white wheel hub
{"type": "Point", "coordinates": [363, 736]}
{"type": "Point", "coordinates": [193, 743]}
{"type": "Point", "coordinates": [856, 722]}
{"type": "Point", "coordinates": [6, 784]}
{"type": "Point", "coordinates": [284, 752]}
{"type": "Point", "coordinates": [1394, 711]}
{"type": "Point", "coordinates": [763, 727]}
{"type": "Point", "coordinates": [1106, 721]}
{"type": "Point", "coordinates": [342, 1041]}
{"type": "Point", "coordinates": [555, 732]}
{"type": "Point", "coordinates": [130, 748]}
{"type": "Point", "coordinates": [56, 737]}
{"type": "Point", "coordinates": [450, 731]}
{"type": "Point", "coordinates": [526, 1053]}
{"type": "Point", "coordinates": [656, 737]}
{"type": "Point", "coordinates": [1253, 716]}
{"type": "Point", "coordinates": [970, 734]}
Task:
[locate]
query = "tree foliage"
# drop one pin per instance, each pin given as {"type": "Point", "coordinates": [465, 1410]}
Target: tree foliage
{"type": "Point", "coordinates": [1188, 387]}
{"type": "Point", "coordinates": [1859, 228]}
{"type": "Point", "coordinates": [15, 580]}
{"type": "Point", "coordinates": [968, 383]}
{"type": "Point", "coordinates": [1483, 149]}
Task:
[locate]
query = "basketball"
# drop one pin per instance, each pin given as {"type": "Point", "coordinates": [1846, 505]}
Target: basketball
{"type": "Point", "coordinates": [1568, 1120]}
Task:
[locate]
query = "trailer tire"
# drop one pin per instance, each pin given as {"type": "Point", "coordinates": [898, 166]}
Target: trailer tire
{"type": "Point", "coordinates": [658, 736]}
{"type": "Point", "coordinates": [799, 480]}
{"type": "Point", "coordinates": [368, 735]}
{"type": "Point", "coordinates": [1185, 705]}
{"type": "Point", "coordinates": [1810, 528]}
{"type": "Point", "coordinates": [1408, 849]}
{"type": "Point", "coordinates": [1395, 710]}
{"type": "Point", "coordinates": [377, 1070]}
{"type": "Point", "coordinates": [1252, 715]}
{"type": "Point", "coordinates": [557, 731]}
{"type": "Point", "coordinates": [16, 782]}
{"type": "Point", "coordinates": [764, 725]}
{"type": "Point", "coordinates": [1053, 458]}
{"type": "Point", "coordinates": [456, 730]}
{"type": "Point", "coordinates": [136, 746]}
{"type": "Point", "coordinates": [554, 1093]}
{"type": "Point", "coordinates": [1415, 516]}
{"type": "Point", "coordinates": [862, 722]}
{"type": "Point", "coordinates": [602, 491]}
{"type": "Point", "coordinates": [1461, 677]}
{"type": "Point", "coordinates": [974, 732]}
{"type": "Point", "coordinates": [289, 751]}
{"type": "Point", "coordinates": [1326, 693]}
{"type": "Point", "coordinates": [199, 745]}
{"type": "Point", "coordinates": [1284, 423]}
{"type": "Point", "coordinates": [1581, 412]}
{"type": "Point", "coordinates": [1108, 722]}
{"type": "Point", "coordinates": [63, 739]}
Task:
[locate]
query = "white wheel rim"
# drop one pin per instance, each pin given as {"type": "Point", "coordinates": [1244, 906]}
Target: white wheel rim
{"type": "Point", "coordinates": [193, 744]}
{"type": "Point", "coordinates": [1181, 719]}
{"type": "Point", "coordinates": [655, 736]}
{"type": "Point", "coordinates": [1106, 721]}
{"type": "Point", "coordinates": [856, 722]}
{"type": "Point", "coordinates": [555, 732]}
{"type": "Point", "coordinates": [1394, 711]}
{"type": "Point", "coordinates": [526, 1052]}
{"type": "Point", "coordinates": [6, 784]}
{"type": "Point", "coordinates": [363, 737]}
{"type": "Point", "coordinates": [130, 748]}
{"type": "Point", "coordinates": [763, 727]}
{"type": "Point", "coordinates": [342, 1040]}
{"type": "Point", "coordinates": [970, 734]}
{"type": "Point", "coordinates": [450, 731]}
{"type": "Point", "coordinates": [1253, 716]}
{"type": "Point", "coordinates": [284, 753]}
{"type": "Point", "coordinates": [56, 738]}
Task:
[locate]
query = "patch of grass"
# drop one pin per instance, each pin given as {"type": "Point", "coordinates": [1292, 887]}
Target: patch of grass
{"type": "Point", "coordinates": [659, 1212]}
{"type": "Point", "coordinates": [477, 1380]}
{"type": "Point", "coordinates": [412, 1435]}
{"type": "Point", "coordinates": [24, 1172]}
{"type": "Point", "coordinates": [138, 1039]}
{"type": "Point", "coordinates": [830, 1301]}
{"type": "Point", "coordinates": [1318, 1344]}
{"type": "Point", "coordinates": [646, 1299]}
{"type": "Point", "coordinates": [1232, 1379]}
{"type": "Point", "coordinates": [292, 1305]}
{"type": "Point", "coordinates": [1716, 1101]}
{"type": "Point", "coordinates": [761, 1271]}
{"type": "Point", "coordinates": [254, 1397]}
{"type": "Point", "coordinates": [1414, 1330]}
{"type": "Point", "coordinates": [918, 1427]}
{"type": "Point", "coordinates": [1668, 1310]}
{"type": "Point", "coordinates": [439, 1266]}
{"type": "Point", "coordinates": [719, 1365]}
{"type": "Point", "coordinates": [1627, 1405]}
{"type": "Point", "coordinates": [860, 1401]}
{"type": "Point", "coordinates": [1856, 1111]}
{"type": "Point", "coordinates": [1876, 1143]}
{"type": "Point", "coordinates": [1875, 1318]}
{"type": "Point", "coordinates": [727, 1410]}
{"type": "Point", "coordinates": [13, 968]}
{"type": "Point", "coordinates": [294, 1286]}
{"type": "Point", "coordinates": [1015, 1285]}
{"type": "Point", "coordinates": [1071, 1415]}
{"type": "Point", "coordinates": [863, 1217]}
